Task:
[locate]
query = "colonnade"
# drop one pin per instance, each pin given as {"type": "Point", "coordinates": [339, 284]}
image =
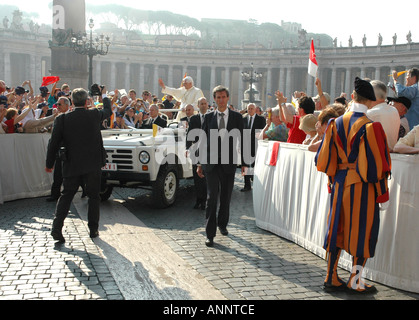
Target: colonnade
{"type": "Point", "coordinates": [129, 66]}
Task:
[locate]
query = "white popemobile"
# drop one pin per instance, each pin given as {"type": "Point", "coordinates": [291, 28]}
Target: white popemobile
{"type": "Point", "coordinates": [146, 158]}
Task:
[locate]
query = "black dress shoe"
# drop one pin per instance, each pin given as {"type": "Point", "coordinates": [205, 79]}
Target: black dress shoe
{"type": "Point", "coordinates": [209, 242]}
{"type": "Point", "coordinates": [58, 236]}
{"type": "Point", "coordinates": [197, 205]}
{"type": "Point", "coordinates": [223, 231]}
{"type": "Point", "coordinates": [94, 234]}
{"type": "Point", "coordinates": [331, 288]}
{"type": "Point", "coordinates": [245, 189]}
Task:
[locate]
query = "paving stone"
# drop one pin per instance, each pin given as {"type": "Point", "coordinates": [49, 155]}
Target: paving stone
{"type": "Point", "coordinates": [248, 264]}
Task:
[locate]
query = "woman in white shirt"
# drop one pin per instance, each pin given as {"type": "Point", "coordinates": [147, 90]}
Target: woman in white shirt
{"type": "Point", "coordinates": [408, 144]}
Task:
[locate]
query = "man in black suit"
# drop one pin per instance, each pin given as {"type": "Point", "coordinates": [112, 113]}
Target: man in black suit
{"type": "Point", "coordinates": [79, 132]}
{"type": "Point", "coordinates": [189, 111]}
{"type": "Point", "coordinates": [224, 130]}
{"type": "Point", "coordinates": [196, 122]}
{"type": "Point", "coordinates": [154, 119]}
{"type": "Point", "coordinates": [252, 122]}
{"type": "Point", "coordinates": [63, 106]}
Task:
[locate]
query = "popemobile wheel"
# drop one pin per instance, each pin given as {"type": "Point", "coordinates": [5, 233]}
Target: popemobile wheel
{"type": "Point", "coordinates": [165, 187]}
{"type": "Point", "coordinates": [105, 191]}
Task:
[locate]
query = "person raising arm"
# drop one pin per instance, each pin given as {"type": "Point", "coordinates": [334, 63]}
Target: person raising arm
{"type": "Point", "coordinates": [409, 144]}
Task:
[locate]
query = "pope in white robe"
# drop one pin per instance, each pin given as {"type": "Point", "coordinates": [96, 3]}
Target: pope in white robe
{"type": "Point", "coordinates": [186, 94]}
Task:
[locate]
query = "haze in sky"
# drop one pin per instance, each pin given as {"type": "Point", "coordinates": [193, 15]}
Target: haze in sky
{"type": "Point", "coordinates": [338, 19]}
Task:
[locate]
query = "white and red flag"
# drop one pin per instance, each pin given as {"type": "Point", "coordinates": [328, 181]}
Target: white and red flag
{"type": "Point", "coordinates": [312, 62]}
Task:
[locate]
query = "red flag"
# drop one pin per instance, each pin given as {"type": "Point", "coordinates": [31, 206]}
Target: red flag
{"type": "Point", "coordinates": [49, 80]}
{"type": "Point", "coordinates": [274, 155]}
{"type": "Point", "coordinates": [312, 63]}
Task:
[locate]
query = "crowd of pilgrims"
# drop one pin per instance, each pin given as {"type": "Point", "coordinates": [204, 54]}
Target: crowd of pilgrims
{"type": "Point", "coordinates": [297, 119]}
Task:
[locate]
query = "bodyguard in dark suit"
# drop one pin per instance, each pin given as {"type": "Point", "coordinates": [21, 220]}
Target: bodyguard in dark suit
{"type": "Point", "coordinates": [154, 119]}
{"type": "Point", "coordinates": [252, 122]}
{"type": "Point", "coordinates": [189, 111]}
{"type": "Point", "coordinates": [195, 122]}
{"type": "Point", "coordinates": [224, 129]}
{"type": "Point", "coordinates": [79, 132]}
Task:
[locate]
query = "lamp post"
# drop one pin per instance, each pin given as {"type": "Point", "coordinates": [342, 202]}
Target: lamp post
{"type": "Point", "coordinates": [90, 47]}
{"type": "Point", "coordinates": [252, 77]}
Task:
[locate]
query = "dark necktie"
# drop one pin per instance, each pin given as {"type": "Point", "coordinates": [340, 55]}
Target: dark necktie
{"type": "Point", "coordinates": [250, 122]}
{"type": "Point", "coordinates": [222, 122]}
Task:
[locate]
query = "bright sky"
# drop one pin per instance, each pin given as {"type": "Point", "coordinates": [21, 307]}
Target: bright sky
{"type": "Point", "coordinates": [339, 19]}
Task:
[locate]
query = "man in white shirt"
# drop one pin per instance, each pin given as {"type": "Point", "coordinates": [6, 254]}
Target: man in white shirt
{"type": "Point", "coordinates": [387, 115]}
{"type": "Point", "coordinates": [31, 124]}
{"type": "Point", "coordinates": [186, 94]}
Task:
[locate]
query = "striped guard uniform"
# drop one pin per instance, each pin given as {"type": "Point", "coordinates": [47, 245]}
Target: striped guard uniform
{"type": "Point", "coordinates": [355, 156]}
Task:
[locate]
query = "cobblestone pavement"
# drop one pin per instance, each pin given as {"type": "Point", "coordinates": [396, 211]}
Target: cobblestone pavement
{"type": "Point", "coordinates": [248, 264]}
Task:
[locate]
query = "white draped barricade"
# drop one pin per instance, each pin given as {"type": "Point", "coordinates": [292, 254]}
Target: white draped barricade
{"type": "Point", "coordinates": [22, 166]}
{"type": "Point", "coordinates": [291, 199]}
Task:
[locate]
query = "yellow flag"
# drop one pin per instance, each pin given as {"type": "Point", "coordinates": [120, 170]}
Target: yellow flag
{"type": "Point", "coordinates": [156, 130]}
{"type": "Point", "coordinates": [112, 121]}
{"type": "Point", "coordinates": [294, 102]}
{"type": "Point", "coordinates": [399, 73]}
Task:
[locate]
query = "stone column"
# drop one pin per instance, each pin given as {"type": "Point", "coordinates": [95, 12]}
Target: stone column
{"type": "Point", "coordinates": [269, 89]}
{"type": "Point", "coordinates": [156, 90]}
{"type": "Point", "coordinates": [199, 76]}
{"type": "Point", "coordinates": [141, 78]}
{"type": "Point", "coordinates": [212, 81]}
{"type": "Point", "coordinates": [113, 75]}
{"type": "Point", "coordinates": [363, 72]}
{"type": "Point", "coordinates": [282, 83]}
{"type": "Point", "coordinates": [7, 70]}
{"type": "Point", "coordinates": [288, 89]}
{"type": "Point", "coordinates": [333, 85]}
{"type": "Point", "coordinates": [170, 76]}
{"type": "Point", "coordinates": [241, 88]}
{"type": "Point", "coordinates": [36, 83]}
{"type": "Point", "coordinates": [348, 84]}
{"type": "Point", "coordinates": [127, 76]}
{"type": "Point", "coordinates": [98, 72]}
{"type": "Point", "coordinates": [32, 70]}
{"type": "Point", "coordinates": [227, 77]}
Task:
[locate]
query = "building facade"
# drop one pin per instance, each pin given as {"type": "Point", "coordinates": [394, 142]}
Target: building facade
{"type": "Point", "coordinates": [132, 64]}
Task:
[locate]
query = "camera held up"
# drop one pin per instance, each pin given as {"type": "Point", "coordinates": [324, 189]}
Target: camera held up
{"type": "Point", "coordinates": [96, 90]}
